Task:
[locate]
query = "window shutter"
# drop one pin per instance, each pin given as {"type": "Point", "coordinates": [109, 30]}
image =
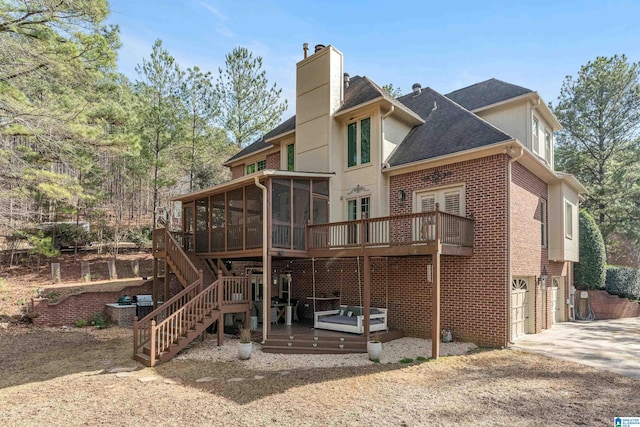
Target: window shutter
{"type": "Point", "coordinates": [452, 202]}
{"type": "Point", "coordinates": [428, 203]}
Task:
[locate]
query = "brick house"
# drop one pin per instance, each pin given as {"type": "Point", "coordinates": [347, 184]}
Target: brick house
{"type": "Point", "coordinates": [444, 210]}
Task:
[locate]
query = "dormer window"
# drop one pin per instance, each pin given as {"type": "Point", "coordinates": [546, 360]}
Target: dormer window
{"type": "Point", "coordinates": [262, 164]}
{"type": "Point", "coordinates": [359, 142]}
{"type": "Point", "coordinates": [534, 136]}
{"type": "Point", "coordinates": [251, 168]}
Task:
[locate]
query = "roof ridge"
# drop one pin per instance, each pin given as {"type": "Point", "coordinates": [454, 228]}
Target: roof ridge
{"type": "Point", "coordinates": [475, 84]}
{"type": "Point", "coordinates": [472, 114]}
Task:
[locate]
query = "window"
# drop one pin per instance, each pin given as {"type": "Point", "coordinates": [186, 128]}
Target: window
{"type": "Point", "coordinates": [568, 220]}
{"type": "Point", "coordinates": [352, 148]}
{"type": "Point", "coordinates": [262, 165]}
{"type": "Point", "coordinates": [449, 200]}
{"type": "Point", "coordinates": [359, 131]}
{"type": "Point", "coordinates": [365, 141]}
{"type": "Point", "coordinates": [534, 136]}
{"type": "Point", "coordinates": [251, 168]}
{"type": "Point", "coordinates": [543, 223]}
{"type": "Point", "coordinates": [352, 208]}
{"type": "Point", "coordinates": [354, 213]}
{"type": "Point", "coordinates": [290, 157]}
{"type": "Point", "coordinates": [365, 207]}
{"type": "Point", "coordinates": [547, 147]}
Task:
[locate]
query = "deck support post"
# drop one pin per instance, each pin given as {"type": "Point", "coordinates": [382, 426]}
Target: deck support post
{"type": "Point", "coordinates": [165, 297]}
{"type": "Point", "coordinates": [266, 321]}
{"type": "Point", "coordinates": [218, 303]}
{"type": "Point", "coordinates": [366, 296]}
{"type": "Point", "coordinates": [154, 284]}
{"type": "Point", "coordinates": [435, 306]}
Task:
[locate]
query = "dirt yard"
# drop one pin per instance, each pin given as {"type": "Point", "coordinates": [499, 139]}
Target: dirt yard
{"type": "Point", "coordinates": [20, 282]}
{"type": "Point", "coordinates": [61, 377]}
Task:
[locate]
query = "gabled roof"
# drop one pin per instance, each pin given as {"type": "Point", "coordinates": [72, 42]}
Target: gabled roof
{"type": "Point", "coordinates": [448, 129]}
{"type": "Point", "coordinates": [486, 93]}
{"type": "Point", "coordinates": [361, 90]}
{"type": "Point", "coordinates": [261, 144]}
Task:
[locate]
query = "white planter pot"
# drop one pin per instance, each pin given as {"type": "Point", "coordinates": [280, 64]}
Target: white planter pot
{"type": "Point", "coordinates": [375, 350]}
{"type": "Point", "coordinates": [244, 350]}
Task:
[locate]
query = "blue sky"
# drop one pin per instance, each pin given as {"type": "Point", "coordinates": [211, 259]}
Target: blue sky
{"type": "Point", "coordinates": [444, 45]}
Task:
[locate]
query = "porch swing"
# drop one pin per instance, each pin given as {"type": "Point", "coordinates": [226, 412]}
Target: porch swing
{"type": "Point", "coordinates": [349, 318]}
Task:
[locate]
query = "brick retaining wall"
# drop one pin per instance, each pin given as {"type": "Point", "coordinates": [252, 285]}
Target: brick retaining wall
{"type": "Point", "coordinates": [84, 305]}
{"type": "Point", "coordinates": [606, 306]}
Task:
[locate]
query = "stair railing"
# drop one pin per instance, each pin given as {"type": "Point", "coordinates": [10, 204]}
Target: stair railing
{"type": "Point", "coordinates": [142, 328]}
{"type": "Point", "coordinates": [183, 320]}
{"type": "Point", "coordinates": [179, 259]}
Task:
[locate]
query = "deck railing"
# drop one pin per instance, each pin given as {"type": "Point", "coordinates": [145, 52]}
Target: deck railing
{"type": "Point", "coordinates": [236, 290]}
{"type": "Point", "coordinates": [397, 230]}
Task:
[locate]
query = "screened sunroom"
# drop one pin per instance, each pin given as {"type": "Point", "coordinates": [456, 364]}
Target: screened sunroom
{"type": "Point", "coordinates": [227, 220]}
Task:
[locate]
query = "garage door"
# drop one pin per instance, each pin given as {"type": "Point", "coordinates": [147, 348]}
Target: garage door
{"type": "Point", "coordinates": [519, 307]}
{"type": "Point", "coordinates": [556, 299]}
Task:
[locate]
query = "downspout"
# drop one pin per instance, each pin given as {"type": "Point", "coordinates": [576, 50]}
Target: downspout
{"type": "Point", "coordinates": [509, 277]}
{"type": "Point", "coordinates": [265, 282]}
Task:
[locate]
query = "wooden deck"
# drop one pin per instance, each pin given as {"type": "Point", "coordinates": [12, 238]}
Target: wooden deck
{"type": "Point", "coordinates": [302, 338]}
{"type": "Point", "coordinates": [421, 233]}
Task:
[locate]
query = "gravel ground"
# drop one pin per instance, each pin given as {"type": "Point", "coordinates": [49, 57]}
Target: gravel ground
{"type": "Point", "coordinates": [392, 352]}
{"type": "Point", "coordinates": [67, 377]}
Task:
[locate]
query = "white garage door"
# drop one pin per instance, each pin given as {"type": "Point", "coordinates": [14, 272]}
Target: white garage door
{"type": "Point", "coordinates": [556, 299]}
{"type": "Point", "coordinates": [519, 307]}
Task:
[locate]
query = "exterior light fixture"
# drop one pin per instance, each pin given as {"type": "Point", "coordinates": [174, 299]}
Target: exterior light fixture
{"type": "Point", "coordinates": [542, 280]}
{"type": "Point", "coordinates": [402, 195]}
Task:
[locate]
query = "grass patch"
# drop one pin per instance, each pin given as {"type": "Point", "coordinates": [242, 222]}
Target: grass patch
{"type": "Point", "coordinates": [422, 359]}
{"type": "Point", "coordinates": [480, 350]}
{"type": "Point", "coordinates": [98, 321]}
{"type": "Point", "coordinates": [406, 360]}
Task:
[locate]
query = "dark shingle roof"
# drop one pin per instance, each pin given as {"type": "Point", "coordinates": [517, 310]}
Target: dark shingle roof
{"type": "Point", "coordinates": [284, 127]}
{"type": "Point", "coordinates": [360, 90]}
{"type": "Point", "coordinates": [448, 129]}
{"type": "Point", "coordinates": [486, 93]}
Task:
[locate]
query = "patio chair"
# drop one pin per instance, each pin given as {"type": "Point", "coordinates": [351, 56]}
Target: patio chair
{"type": "Point", "coordinates": [257, 305]}
{"type": "Point", "coordinates": [294, 309]}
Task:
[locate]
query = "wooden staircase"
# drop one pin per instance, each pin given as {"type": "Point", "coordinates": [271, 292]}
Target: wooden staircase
{"type": "Point", "coordinates": [310, 344]}
{"type": "Point", "coordinates": [171, 327]}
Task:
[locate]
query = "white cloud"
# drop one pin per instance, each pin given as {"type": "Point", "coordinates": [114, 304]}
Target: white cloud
{"type": "Point", "coordinates": [219, 26]}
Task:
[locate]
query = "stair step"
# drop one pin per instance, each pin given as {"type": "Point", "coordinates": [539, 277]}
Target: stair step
{"type": "Point", "coordinates": [305, 350]}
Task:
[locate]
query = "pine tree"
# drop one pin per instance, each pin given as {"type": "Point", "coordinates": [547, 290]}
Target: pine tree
{"type": "Point", "coordinates": [249, 106]}
{"type": "Point", "coordinates": [600, 143]}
